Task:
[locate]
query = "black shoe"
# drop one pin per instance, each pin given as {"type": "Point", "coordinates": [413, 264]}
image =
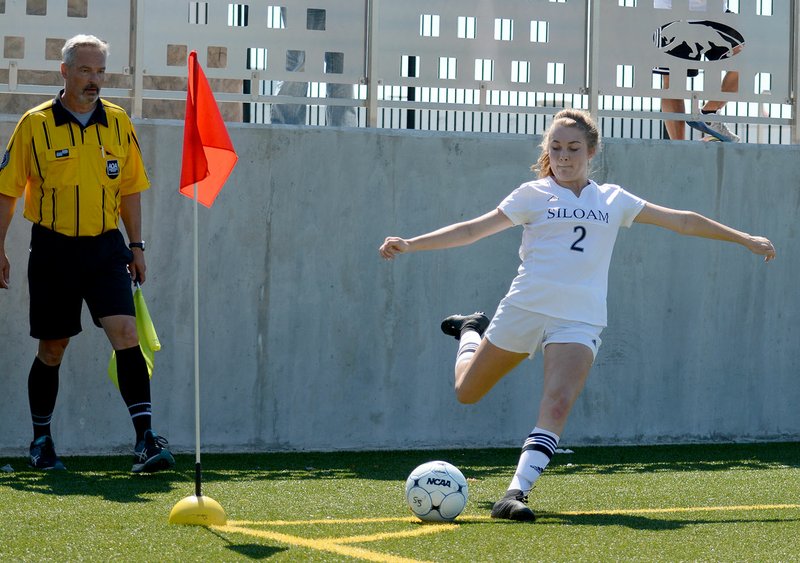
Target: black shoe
{"type": "Point", "coordinates": [455, 324]}
{"type": "Point", "coordinates": [513, 506]}
{"type": "Point", "coordinates": [151, 454]}
{"type": "Point", "coordinates": [43, 454]}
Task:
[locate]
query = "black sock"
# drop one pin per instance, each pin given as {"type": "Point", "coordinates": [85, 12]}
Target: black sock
{"type": "Point", "coordinates": [707, 111]}
{"type": "Point", "coordinates": [134, 385]}
{"type": "Point", "coordinates": [42, 393]}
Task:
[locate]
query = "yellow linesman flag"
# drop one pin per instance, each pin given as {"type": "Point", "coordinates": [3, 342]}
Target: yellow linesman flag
{"type": "Point", "coordinates": [148, 339]}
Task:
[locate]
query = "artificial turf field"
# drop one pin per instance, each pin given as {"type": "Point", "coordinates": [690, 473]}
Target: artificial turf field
{"type": "Point", "coordinates": [729, 502]}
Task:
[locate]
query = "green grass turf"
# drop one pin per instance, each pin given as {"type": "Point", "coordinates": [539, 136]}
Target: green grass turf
{"type": "Point", "coordinates": [657, 503]}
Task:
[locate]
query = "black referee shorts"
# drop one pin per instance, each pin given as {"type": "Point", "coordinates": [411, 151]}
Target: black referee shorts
{"type": "Point", "coordinates": [63, 272]}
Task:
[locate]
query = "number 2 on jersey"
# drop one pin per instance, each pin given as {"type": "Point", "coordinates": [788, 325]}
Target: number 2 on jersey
{"type": "Point", "coordinates": [582, 231]}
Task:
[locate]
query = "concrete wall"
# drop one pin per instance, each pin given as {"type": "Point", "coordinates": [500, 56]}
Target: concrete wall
{"type": "Point", "coordinates": [309, 341]}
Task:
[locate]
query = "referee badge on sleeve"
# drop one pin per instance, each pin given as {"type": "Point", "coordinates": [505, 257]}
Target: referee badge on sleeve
{"type": "Point", "coordinates": [3, 164]}
{"type": "Point", "coordinates": [112, 168]}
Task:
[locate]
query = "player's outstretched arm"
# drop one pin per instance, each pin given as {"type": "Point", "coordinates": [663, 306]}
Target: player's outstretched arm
{"type": "Point", "coordinates": [457, 234]}
{"type": "Point", "coordinates": [694, 224]}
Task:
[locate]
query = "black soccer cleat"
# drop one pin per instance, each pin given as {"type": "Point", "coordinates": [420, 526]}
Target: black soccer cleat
{"type": "Point", "coordinates": [151, 454]}
{"type": "Point", "coordinates": [513, 506]}
{"type": "Point", "coordinates": [43, 455]}
{"type": "Point", "coordinates": [454, 325]}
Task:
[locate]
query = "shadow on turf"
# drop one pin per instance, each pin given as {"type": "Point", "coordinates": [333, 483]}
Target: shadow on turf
{"type": "Point", "coordinates": [249, 550]}
{"type": "Point", "coordinates": [645, 523]}
{"type": "Point", "coordinates": [255, 551]}
{"type": "Point", "coordinates": [93, 476]}
{"type": "Point", "coordinates": [632, 521]}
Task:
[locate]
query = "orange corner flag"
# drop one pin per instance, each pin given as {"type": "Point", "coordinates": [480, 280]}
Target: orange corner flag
{"type": "Point", "coordinates": [208, 154]}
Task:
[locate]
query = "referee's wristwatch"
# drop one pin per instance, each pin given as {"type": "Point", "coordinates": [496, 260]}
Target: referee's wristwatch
{"type": "Point", "coordinates": [139, 245]}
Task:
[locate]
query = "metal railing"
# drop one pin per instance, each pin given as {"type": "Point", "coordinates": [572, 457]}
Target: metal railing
{"type": "Point", "coordinates": [465, 65]}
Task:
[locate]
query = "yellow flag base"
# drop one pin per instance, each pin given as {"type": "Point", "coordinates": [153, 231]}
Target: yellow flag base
{"type": "Point", "coordinates": [198, 511]}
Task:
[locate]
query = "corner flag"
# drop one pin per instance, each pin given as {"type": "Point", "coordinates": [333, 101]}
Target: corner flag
{"type": "Point", "coordinates": [208, 158]}
{"type": "Point", "coordinates": [208, 154]}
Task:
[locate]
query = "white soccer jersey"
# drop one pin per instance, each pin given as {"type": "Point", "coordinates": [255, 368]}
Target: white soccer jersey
{"type": "Point", "coordinates": [567, 245]}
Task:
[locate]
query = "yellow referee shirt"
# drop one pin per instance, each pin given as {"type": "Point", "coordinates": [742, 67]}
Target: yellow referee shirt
{"type": "Point", "coordinates": [73, 176]}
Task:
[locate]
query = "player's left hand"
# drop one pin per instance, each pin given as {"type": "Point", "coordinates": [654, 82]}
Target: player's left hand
{"type": "Point", "coordinates": [393, 246]}
{"type": "Point", "coordinates": [763, 247]}
{"type": "Point", "coordinates": [137, 267]}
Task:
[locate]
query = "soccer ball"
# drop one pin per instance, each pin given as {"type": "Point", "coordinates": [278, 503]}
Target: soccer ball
{"type": "Point", "coordinates": [436, 492]}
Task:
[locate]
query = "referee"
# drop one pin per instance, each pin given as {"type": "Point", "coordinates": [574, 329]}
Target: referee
{"type": "Point", "coordinates": [77, 161]}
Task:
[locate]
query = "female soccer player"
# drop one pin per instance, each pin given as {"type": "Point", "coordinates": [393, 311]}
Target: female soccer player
{"type": "Point", "coordinates": [558, 299]}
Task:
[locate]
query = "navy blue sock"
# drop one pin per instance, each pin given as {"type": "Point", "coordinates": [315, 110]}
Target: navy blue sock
{"type": "Point", "coordinates": [134, 385]}
{"type": "Point", "coordinates": [42, 393]}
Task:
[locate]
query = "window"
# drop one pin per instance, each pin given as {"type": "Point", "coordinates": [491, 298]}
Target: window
{"type": "Point", "coordinates": [484, 69]}
{"type": "Point", "coordinates": [276, 17]}
{"type": "Point", "coordinates": [237, 15]}
{"type": "Point", "coordinates": [315, 19]}
{"type": "Point", "coordinates": [763, 83]}
{"type": "Point", "coordinates": [198, 13]}
{"type": "Point", "coordinates": [467, 27]}
{"type": "Point", "coordinates": [624, 76]}
{"type": "Point", "coordinates": [520, 71]}
{"type": "Point", "coordinates": [334, 63]}
{"type": "Point", "coordinates": [503, 29]}
{"type": "Point", "coordinates": [429, 25]}
{"type": "Point", "coordinates": [409, 66]}
{"type": "Point", "coordinates": [257, 58]}
{"type": "Point", "coordinates": [540, 31]}
{"type": "Point", "coordinates": [555, 73]}
{"type": "Point", "coordinates": [447, 68]}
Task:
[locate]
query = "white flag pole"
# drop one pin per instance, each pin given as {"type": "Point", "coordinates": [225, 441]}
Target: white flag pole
{"type": "Point", "coordinates": [197, 510]}
{"type": "Point", "coordinates": [197, 486]}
